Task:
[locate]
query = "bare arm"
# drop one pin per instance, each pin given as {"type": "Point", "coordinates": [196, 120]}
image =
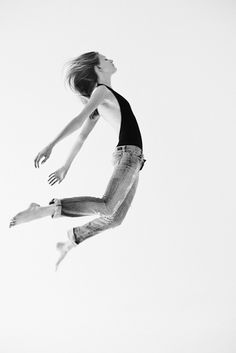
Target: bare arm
{"type": "Point", "coordinates": [60, 174]}
{"type": "Point", "coordinates": [96, 98]}
{"type": "Point", "coordinates": [85, 131]}
{"type": "Point", "coordinates": [93, 102]}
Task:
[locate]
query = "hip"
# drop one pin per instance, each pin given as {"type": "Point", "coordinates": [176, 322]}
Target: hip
{"type": "Point", "coordinates": [128, 154]}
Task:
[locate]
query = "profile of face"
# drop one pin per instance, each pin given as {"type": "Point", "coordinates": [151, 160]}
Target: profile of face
{"type": "Point", "coordinates": [106, 65]}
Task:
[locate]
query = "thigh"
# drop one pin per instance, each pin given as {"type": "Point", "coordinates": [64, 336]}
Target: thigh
{"type": "Point", "coordinates": [121, 212]}
{"type": "Point", "coordinates": [121, 181]}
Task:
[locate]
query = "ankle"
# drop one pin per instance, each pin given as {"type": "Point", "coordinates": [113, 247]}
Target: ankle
{"type": "Point", "coordinates": [72, 237]}
{"type": "Point", "coordinates": [55, 208]}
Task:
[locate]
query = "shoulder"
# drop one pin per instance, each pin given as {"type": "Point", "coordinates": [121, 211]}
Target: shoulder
{"type": "Point", "coordinates": [98, 94]}
{"type": "Point", "coordinates": [100, 90]}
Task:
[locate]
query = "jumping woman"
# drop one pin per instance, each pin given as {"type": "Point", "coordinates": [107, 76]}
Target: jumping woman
{"type": "Point", "coordinates": [89, 75]}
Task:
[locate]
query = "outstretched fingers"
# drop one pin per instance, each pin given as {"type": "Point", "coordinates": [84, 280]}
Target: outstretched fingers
{"type": "Point", "coordinates": [36, 161]}
{"type": "Point", "coordinates": [39, 158]}
{"type": "Point", "coordinates": [53, 178]}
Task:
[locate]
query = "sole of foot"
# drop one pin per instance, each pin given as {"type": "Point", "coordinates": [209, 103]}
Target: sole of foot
{"type": "Point", "coordinates": [63, 248]}
{"type": "Point", "coordinates": [24, 216]}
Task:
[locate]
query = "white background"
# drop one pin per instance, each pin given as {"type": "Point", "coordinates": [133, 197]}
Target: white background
{"type": "Point", "coordinates": [164, 281]}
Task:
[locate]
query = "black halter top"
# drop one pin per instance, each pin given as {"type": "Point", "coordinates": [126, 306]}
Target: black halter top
{"type": "Point", "coordinates": [129, 130]}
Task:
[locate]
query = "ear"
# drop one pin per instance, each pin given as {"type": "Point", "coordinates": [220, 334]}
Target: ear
{"type": "Point", "coordinates": [97, 68]}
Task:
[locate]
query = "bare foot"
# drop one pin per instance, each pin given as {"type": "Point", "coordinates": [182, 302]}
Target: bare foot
{"type": "Point", "coordinates": [25, 216]}
{"type": "Point", "coordinates": [63, 248]}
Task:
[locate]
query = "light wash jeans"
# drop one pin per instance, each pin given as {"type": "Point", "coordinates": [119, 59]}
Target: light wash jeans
{"type": "Point", "coordinates": [112, 207]}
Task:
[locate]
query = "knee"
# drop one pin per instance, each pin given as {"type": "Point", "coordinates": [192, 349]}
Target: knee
{"type": "Point", "coordinates": [110, 208]}
{"type": "Point", "coordinates": [115, 218]}
{"type": "Point", "coordinates": [116, 221]}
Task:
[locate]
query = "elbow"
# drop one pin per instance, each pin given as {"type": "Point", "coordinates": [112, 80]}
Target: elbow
{"type": "Point", "coordinates": [82, 137]}
{"type": "Point", "coordinates": [79, 120]}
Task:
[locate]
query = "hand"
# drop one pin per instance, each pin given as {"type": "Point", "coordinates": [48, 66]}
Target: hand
{"type": "Point", "coordinates": [44, 153]}
{"type": "Point", "coordinates": [58, 175]}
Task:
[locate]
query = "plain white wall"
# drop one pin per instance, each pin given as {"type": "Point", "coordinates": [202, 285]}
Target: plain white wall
{"type": "Point", "coordinates": [164, 281]}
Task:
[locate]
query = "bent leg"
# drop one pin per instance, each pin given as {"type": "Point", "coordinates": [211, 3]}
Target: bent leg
{"type": "Point", "coordinates": [121, 182]}
{"type": "Point", "coordinates": [106, 222]}
{"type": "Point", "coordinates": [119, 185]}
{"type": "Point", "coordinates": [121, 212]}
{"type": "Point", "coordinates": [79, 206]}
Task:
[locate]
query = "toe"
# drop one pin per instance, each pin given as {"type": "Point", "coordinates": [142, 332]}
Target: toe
{"type": "Point", "coordinates": [12, 222]}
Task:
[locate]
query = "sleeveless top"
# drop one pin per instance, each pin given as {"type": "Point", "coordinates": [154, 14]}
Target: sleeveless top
{"type": "Point", "coordinates": [129, 130]}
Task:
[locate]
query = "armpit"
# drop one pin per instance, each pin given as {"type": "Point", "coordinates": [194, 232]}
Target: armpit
{"type": "Point", "coordinates": [94, 114]}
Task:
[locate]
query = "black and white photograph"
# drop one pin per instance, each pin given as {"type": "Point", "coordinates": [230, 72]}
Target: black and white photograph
{"type": "Point", "coordinates": [118, 176]}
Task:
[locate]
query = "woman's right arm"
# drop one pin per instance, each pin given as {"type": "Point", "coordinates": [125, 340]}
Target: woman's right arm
{"type": "Point", "coordinates": [95, 99]}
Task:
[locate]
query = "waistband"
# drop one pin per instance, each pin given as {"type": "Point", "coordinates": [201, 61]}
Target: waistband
{"type": "Point", "coordinates": [129, 148]}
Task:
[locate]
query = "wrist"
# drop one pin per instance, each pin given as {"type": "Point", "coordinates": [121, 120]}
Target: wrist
{"type": "Point", "coordinates": [52, 144]}
{"type": "Point", "coordinates": [67, 165]}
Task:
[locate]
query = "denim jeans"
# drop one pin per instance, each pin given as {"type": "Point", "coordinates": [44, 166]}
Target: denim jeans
{"type": "Point", "coordinates": [113, 205]}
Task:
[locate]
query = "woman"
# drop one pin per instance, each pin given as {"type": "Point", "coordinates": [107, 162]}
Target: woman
{"type": "Point", "coordinates": [90, 76]}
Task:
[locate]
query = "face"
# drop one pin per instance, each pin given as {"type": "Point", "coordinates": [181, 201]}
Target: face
{"type": "Point", "coordinates": [106, 64]}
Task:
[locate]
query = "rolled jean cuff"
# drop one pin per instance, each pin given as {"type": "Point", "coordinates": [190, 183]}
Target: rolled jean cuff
{"type": "Point", "coordinates": [57, 203]}
{"type": "Point", "coordinates": [72, 237]}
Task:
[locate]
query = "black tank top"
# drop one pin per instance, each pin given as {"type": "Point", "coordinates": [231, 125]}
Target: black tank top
{"type": "Point", "coordinates": [129, 129]}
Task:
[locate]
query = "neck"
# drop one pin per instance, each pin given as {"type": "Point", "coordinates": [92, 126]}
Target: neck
{"type": "Point", "coordinates": [105, 81]}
